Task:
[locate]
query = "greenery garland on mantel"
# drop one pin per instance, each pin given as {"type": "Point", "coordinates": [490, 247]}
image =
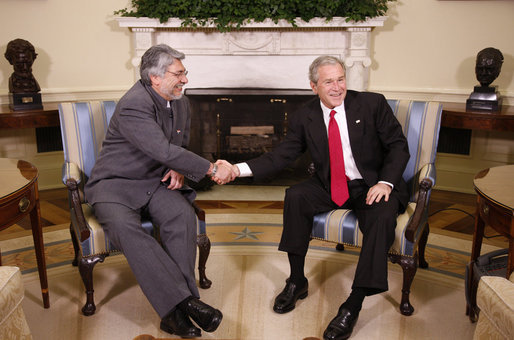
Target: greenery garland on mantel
{"type": "Point", "coordinates": [233, 14]}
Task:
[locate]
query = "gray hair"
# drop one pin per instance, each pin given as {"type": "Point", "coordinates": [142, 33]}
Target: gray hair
{"type": "Point", "coordinates": [321, 61]}
{"type": "Point", "coordinates": [156, 60]}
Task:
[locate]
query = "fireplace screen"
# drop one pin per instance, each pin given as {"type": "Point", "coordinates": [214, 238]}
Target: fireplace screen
{"type": "Point", "coordinates": [241, 124]}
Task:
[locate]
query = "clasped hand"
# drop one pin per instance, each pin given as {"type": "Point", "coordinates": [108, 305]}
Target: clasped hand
{"type": "Point", "coordinates": [226, 172]}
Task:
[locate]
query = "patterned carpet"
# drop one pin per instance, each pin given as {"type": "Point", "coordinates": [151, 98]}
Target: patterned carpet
{"type": "Point", "coordinates": [448, 250]}
{"type": "Point", "coordinates": [247, 270]}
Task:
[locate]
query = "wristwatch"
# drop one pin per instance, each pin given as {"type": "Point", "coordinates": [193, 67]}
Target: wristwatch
{"type": "Point", "coordinates": [214, 169]}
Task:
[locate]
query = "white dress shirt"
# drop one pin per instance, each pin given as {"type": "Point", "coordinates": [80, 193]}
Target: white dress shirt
{"type": "Point", "coordinates": [349, 162]}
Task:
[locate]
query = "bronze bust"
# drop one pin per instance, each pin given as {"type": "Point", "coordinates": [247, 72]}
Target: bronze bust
{"type": "Point", "coordinates": [488, 65]}
{"type": "Point", "coordinates": [21, 54]}
{"type": "Point", "coordinates": [487, 68]}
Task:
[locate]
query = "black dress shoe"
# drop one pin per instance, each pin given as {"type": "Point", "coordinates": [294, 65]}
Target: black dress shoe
{"type": "Point", "coordinates": [341, 327]}
{"type": "Point", "coordinates": [286, 300]}
{"type": "Point", "coordinates": [205, 316]}
{"type": "Point", "coordinates": [176, 322]}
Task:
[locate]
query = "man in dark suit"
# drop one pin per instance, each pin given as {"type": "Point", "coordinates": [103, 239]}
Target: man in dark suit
{"type": "Point", "coordinates": [370, 182]}
{"type": "Point", "coordinates": [140, 172]}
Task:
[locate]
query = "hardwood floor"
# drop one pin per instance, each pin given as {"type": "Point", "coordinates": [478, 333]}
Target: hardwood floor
{"type": "Point", "coordinates": [451, 214]}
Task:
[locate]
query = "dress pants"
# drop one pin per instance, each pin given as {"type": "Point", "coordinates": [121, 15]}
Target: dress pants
{"type": "Point", "coordinates": [377, 223]}
{"type": "Point", "coordinates": [164, 272]}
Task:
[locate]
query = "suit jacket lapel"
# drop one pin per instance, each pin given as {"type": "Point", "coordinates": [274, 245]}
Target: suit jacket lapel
{"type": "Point", "coordinates": [355, 123]}
{"type": "Point", "coordinates": [178, 119]}
{"type": "Point", "coordinates": [318, 145]}
{"type": "Point", "coordinates": [318, 131]}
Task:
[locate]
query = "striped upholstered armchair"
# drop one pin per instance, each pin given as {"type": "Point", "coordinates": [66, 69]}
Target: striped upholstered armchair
{"type": "Point", "coordinates": [420, 122]}
{"type": "Point", "coordinates": [83, 129]}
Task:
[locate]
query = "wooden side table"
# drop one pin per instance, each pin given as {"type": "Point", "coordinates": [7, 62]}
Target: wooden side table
{"type": "Point", "coordinates": [456, 116]}
{"type": "Point", "coordinates": [47, 116]}
{"type": "Point", "coordinates": [495, 207]}
{"type": "Point", "coordinates": [19, 197]}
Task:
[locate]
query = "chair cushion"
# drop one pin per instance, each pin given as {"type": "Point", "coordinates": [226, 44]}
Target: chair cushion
{"type": "Point", "coordinates": [98, 242]}
{"type": "Point", "coordinates": [341, 226]}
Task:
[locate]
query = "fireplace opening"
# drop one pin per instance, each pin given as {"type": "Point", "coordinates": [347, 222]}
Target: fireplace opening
{"type": "Point", "coordinates": [240, 124]}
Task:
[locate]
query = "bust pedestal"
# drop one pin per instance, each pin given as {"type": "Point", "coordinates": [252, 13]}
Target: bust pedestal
{"type": "Point", "coordinates": [484, 98]}
{"type": "Point", "coordinates": [25, 101]}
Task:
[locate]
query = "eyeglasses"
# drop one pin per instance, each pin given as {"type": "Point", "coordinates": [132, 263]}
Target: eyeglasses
{"type": "Point", "coordinates": [179, 74]}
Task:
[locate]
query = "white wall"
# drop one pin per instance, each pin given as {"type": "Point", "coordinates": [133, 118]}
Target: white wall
{"type": "Point", "coordinates": [426, 50]}
{"type": "Point", "coordinates": [426, 46]}
{"type": "Point", "coordinates": [80, 47]}
{"type": "Point", "coordinates": [431, 46]}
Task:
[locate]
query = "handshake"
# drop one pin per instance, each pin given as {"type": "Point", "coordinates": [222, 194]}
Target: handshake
{"type": "Point", "coordinates": [225, 172]}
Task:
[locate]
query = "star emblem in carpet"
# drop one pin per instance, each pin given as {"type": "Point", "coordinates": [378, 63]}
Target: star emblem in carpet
{"type": "Point", "coordinates": [246, 233]}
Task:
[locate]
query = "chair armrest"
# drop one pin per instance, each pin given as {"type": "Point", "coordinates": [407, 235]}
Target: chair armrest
{"type": "Point", "coordinates": [71, 178]}
{"type": "Point", "coordinates": [200, 214]}
{"type": "Point", "coordinates": [426, 181]}
{"type": "Point", "coordinates": [70, 171]}
{"type": "Point", "coordinates": [427, 172]}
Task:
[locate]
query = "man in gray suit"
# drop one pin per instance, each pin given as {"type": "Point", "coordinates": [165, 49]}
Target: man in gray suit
{"type": "Point", "coordinates": [140, 172]}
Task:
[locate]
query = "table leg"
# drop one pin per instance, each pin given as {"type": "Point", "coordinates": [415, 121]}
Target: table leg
{"type": "Point", "coordinates": [510, 263]}
{"type": "Point", "coordinates": [37, 234]}
{"type": "Point", "coordinates": [478, 236]}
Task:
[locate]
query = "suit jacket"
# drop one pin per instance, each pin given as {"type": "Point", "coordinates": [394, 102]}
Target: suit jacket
{"type": "Point", "coordinates": [141, 144]}
{"type": "Point", "coordinates": [378, 145]}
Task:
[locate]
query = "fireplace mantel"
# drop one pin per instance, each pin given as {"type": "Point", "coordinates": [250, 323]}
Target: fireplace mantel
{"type": "Point", "coordinates": [266, 54]}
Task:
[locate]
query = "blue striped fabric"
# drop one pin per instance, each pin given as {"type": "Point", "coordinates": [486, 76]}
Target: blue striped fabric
{"type": "Point", "coordinates": [341, 223]}
{"type": "Point", "coordinates": [420, 122]}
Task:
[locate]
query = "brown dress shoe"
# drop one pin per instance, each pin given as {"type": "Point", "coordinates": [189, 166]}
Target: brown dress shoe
{"type": "Point", "coordinates": [286, 300]}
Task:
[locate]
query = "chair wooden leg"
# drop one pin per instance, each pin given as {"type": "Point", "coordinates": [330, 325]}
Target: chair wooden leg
{"type": "Point", "coordinates": [204, 246]}
{"type": "Point", "coordinates": [76, 247]}
{"type": "Point", "coordinates": [409, 267]}
{"type": "Point", "coordinates": [421, 248]}
{"type": "Point", "coordinates": [86, 266]}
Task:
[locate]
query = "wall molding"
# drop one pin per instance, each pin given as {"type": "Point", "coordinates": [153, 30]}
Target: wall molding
{"type": "Point", "coordinates": [73, 95]}
{"type": "Point", "coordinates": [442, 95]}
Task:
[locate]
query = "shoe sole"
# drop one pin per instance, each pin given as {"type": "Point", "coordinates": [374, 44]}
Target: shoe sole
{"type": "Point", "coordinates": [283, 311]}
{"type": "Point", "coordinates": [170, 330]}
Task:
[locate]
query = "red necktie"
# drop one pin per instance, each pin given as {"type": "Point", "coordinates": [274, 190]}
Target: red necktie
{"type": "Point", "coordinates": [338, 184]}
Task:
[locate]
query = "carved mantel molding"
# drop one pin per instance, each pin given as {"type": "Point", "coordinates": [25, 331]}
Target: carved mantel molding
{"type": "Point", "coordinates": [263, 54]}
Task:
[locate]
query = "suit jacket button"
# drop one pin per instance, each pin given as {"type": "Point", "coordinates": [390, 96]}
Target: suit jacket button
{"type": "Point", "coordinates": [148, 193]}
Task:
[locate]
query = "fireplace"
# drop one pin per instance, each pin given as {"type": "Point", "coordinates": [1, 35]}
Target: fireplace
{"type": "Point", "coordinates": [241, 124]}
{"type": "Point", "coordinates": [245, 84]}
{"type": "Point", "coordinates": [264, 55]}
